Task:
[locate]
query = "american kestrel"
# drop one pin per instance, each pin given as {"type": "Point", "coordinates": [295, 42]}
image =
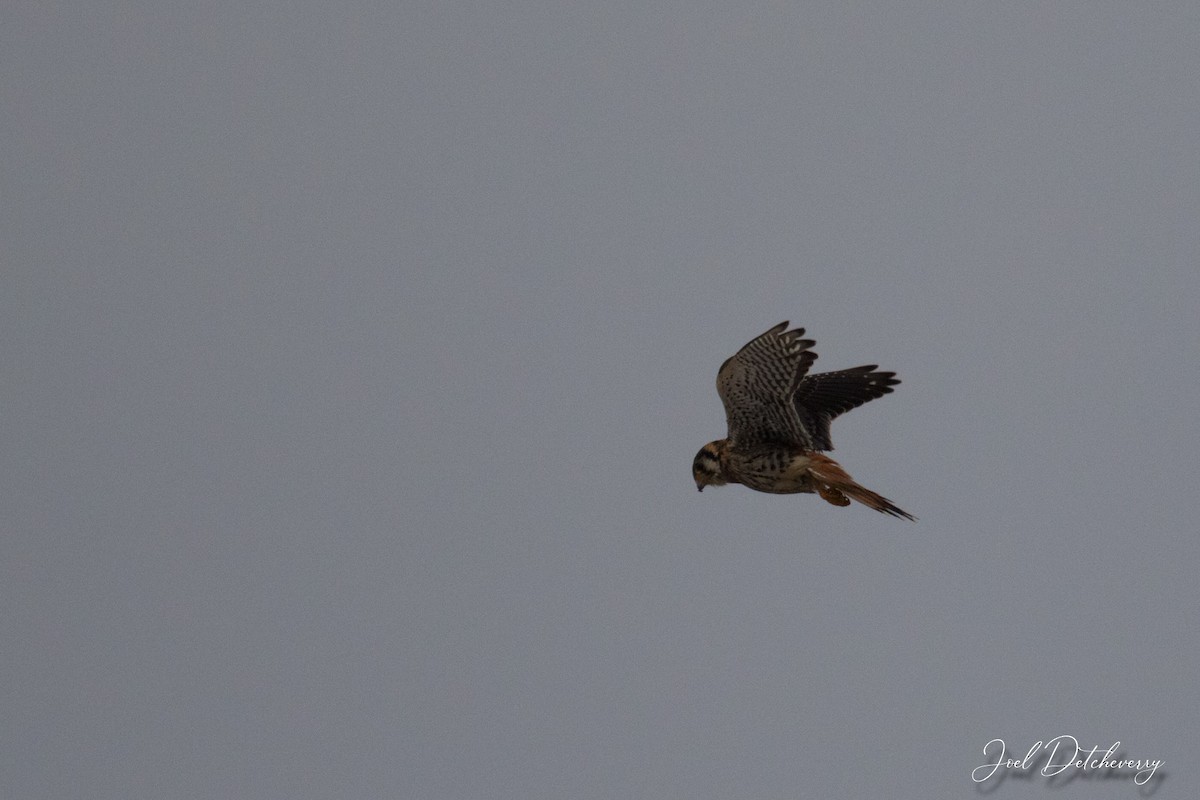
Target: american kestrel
{"type": "Point", "coordinates": [779, 417]}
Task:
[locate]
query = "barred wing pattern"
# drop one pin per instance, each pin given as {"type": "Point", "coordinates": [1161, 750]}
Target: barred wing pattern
{"type": "Point", "coordinates": [757, 386]}
{"type": "Point", "coordinates": [822, 397]}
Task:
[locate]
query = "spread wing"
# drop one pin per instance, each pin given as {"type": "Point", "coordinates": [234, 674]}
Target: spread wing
{"type": "Point", "coordinates": [819, 398]}
{"type": "Point", "coordinates": [758, 383]}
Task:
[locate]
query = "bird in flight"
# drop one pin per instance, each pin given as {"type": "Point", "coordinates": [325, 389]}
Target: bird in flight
{"type": "Point", "coordinates": [778, 417]}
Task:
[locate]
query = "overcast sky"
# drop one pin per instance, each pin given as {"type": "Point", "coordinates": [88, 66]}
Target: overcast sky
{"type": "Point", "coordinates": [354, 357]}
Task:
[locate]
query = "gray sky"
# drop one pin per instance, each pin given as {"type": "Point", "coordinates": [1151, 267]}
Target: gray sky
{"type": "Point", "coordinates": [355, 356]}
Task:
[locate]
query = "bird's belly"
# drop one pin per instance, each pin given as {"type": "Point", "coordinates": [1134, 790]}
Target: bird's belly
{"type": "Point", "coordinates": [775, 471]}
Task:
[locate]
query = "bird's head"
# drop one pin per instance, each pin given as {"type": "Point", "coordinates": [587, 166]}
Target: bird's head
{"type": "Point", "coordinates": [706, 467]}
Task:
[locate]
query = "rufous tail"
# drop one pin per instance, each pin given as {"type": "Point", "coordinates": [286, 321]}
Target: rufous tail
{"type": "Point", "coordinates": [835, 485]}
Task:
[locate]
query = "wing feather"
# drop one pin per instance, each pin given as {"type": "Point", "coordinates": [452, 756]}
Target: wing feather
{"type": "Point", "coordinates": [822, 397]}
{"type": "Point", "coordinates": [757, 386]}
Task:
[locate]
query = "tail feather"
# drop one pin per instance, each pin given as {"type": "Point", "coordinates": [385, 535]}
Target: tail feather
{"type": "Point", "coordinates": [835, 485]}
